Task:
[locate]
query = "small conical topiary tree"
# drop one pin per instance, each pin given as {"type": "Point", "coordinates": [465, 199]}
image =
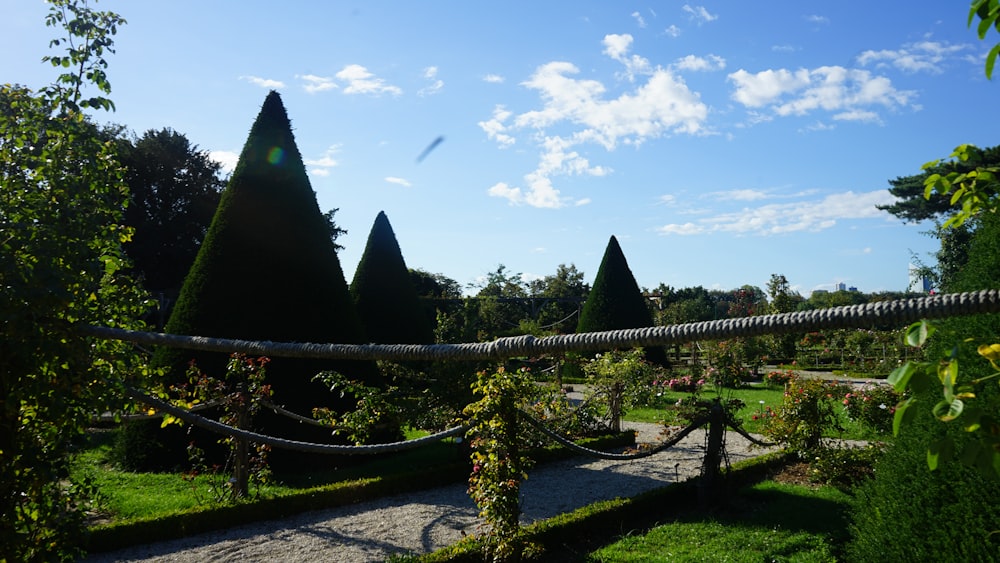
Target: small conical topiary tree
{"type": "Point", "coordinates": [616, 302]}
{"type": "Point", "coordinates": [383, 292]}
{"type": "Point", "coordinates": [268, 270]}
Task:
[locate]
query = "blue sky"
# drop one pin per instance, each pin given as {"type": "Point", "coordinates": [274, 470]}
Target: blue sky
{"type": "Point", "coordinates": [720, 142]}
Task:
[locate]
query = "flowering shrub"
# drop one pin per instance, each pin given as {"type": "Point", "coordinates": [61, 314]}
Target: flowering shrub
{"type": "Point", "coordinates": [808, 409]}
{"type": "Point", "coordinates": [682, 384]}
{"type": "Point", "coordinates": [729, 362]}
{"type": "Point", "coordinates": [780, 378]}
{"type": "Point", "coordinates": [873, 406]}
{"type": "Point", "coordinates": [765, 414]}
{"type": "Point", "coordinates": [619, 381]}
{"type": "Point", "coordinates": [241, 393]}
{"type": "Point", "coordinates": [689, 409]}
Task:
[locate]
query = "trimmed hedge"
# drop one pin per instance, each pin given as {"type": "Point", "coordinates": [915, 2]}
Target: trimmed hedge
{"type": "Point", "coordinates": [616, 302]}
{"type": "Point", "coordinates": [383, 292]}
{"type": "Point", "coordinates": [268, 270]}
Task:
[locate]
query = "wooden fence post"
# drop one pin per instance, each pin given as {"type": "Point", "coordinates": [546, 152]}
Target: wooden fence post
{"type": "Point", "coordinates": [710, 490]}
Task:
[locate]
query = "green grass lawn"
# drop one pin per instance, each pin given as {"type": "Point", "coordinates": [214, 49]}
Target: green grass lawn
{"type": "Point", "coordinates": [755, 398]}
{"type": "Point", "coordinates": [127, 495]}
{"type": "Point", "coordinates": [766, 522]}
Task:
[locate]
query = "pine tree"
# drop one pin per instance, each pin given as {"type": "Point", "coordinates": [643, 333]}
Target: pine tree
{"type": "Point", "coordinates": [383, 292]}
{"type": "Point", "coordinates": [616, 302]}
{"type": "Point", "coordinates": [268, 270]}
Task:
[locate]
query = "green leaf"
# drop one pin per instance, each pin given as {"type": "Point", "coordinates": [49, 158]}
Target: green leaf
{"type": "Point", "coordinates": [939, 451]}
{"type": "Point", "coordinates": [946, 411]}
{"type": "Point", "coordinates": [948, 374]}
{"type": "Point", "coordinates": [918, 333]}
{"type": "Point", "coordinates": [900, 377]}
{"type": "Point", "coordinates": [991, 60]}
{"type": "Point", "coordinates": [903, 415]}
{"type": "Point", "coordinates": [986, 24]}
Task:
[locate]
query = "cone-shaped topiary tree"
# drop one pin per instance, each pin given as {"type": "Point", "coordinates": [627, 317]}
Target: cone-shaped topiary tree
{"type": "Point", "coordinates": [268, 270]}
{"type": "Point", "coordinates": [616, 302]}
{"type": "Point", "coordinates": [383, 292]}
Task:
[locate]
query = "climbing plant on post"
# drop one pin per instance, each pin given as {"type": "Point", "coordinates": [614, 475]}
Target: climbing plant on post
{"type": "Point", "coordinates": [498, 462]}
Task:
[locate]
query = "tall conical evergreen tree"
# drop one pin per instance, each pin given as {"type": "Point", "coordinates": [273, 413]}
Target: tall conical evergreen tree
{"type": "Point", "coordinates": [616, 302]}
{"type": "Point", "coordinates": [383, 292]}
{"type": "Point", "coordinates": [268, 270]}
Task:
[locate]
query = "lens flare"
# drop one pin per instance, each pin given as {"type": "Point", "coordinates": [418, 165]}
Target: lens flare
{"type": "Point", "coordinates": [275, 155]}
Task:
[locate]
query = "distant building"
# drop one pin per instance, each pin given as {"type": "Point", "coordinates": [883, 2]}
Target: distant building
{"type": "Point", "coordinates": [919, 282]}
{"type": "Point", "coordinates": [841, 286]}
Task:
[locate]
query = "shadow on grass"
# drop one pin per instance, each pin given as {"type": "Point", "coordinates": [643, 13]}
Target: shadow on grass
{"type": "Point", "coordinates": [747, 527]}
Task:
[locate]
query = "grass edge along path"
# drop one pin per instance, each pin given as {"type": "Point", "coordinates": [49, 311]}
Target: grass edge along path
{"type": "Point", "coordinates": [211, 517]}
{"type": "Point", "coordinates": [571, 536]}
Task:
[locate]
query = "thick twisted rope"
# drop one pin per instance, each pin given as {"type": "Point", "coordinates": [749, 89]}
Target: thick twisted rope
{"type": "Point", "coordinates": [308, 447]}
{"type": "Point", "coordinates": [297, 417]}
{"type": "Point", "coordinates": [698, 423]}
{"type": "Point", "coordinates": [896, 313]}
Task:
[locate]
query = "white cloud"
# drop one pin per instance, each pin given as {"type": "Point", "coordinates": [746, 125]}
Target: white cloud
{"type": "Point", "coordinates": [699, 13]}
{"type": "Point", "coordinates": [495, 128]}
{"type": "Point", "coordinates": [858, 115]}
{"type": "Point", "coordinates": [709, 62]}
{"type": "Point", "coordinates": [321, 166]}
{"type": "Point", "coordinates": [581, 202]}
{"type": "Point", "coordinates": [268, 83]}
{"type": "Point", "coordinates": [758, 90]}
{"type": "Point", "coordinates": [741, 195]}
{"type": "Point", "coordinates": [436, 85]}
{"type": "Point", "coordinates": [784, 48]}
{"type": "Point", "coordinates": [617, 47]}
{"type": "Point", "coordinates": [922, 56]}
{"type": "Point", "coordinates": [666, 199]}
{"type": "Point", "coordinates": [681, 229]}
{"type": "Point", "coordinates": [575, 112]}
{"type": "Point", "coordinates": [493, 79]}
{"type": "Point", "coordinates": [228, 159]}
{"type": "Point", "coordinates": [672, 31]}
{"type": "Point", "coordinates": [398, 181]}
{"type": "Point", "coordinates": [360, 81]}
{"type": "Point", "coordinates": [313, 84]}
{"type": "Point", "coordinates": [638, 19]}
{"type": "Point", "coordinates": [817, 19]}
{"type": "Point", "coordinates": [849, 93]}
{"type": "Point", "coordinates": [801, 216]}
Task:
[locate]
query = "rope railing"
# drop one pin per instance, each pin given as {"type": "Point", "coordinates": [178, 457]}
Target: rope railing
{"type": "Point", "coordinates": [307, 447]}
{"type": "Point", "coordinates": [856, 316]}
{"type": "Point", "coordinates": [569, 444]}
{"type": "Point", "coordinates": [882, 313]}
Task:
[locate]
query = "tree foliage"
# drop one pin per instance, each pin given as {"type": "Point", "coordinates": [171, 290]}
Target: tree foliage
{"type": "Point", "coordinates": [561, 294]}
{"type": "Point", "coordinates": [501, 304]}
{"type": "Point", "coordinates": [61, 264]}
{"type": "Point", "coordinates": [988, 12]}
{"type": "Point", "coordinates": [174, 190]}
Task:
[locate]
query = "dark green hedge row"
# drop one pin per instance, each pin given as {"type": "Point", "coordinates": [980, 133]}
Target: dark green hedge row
{"type": "Point", "coordinates": [569, 536]}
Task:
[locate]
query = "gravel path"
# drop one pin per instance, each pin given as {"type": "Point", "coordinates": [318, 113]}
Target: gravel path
{"type": "Point", "coordinates": [423, 521]}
